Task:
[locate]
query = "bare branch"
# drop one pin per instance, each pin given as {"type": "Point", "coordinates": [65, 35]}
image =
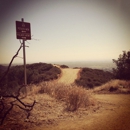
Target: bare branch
{"type": "Point", "coordinates": [2, 120]}
{"type": "Point", "coordinates": [10, 64]}
{"type": "Point", "coordinates": [4, 110]}
{"type": "Point", "coordinates": [26, 107]}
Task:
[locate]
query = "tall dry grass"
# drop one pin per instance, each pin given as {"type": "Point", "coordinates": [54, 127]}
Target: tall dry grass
{"type": "Point", "coordinates": [75, 97]}
{"type": "Point", "coordinates": [119, 86]}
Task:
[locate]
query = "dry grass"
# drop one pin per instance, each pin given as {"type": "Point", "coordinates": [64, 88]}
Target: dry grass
{"type": "Point", "coordinates": [78, 97]}
{"type": "Point", "coordinates": [116, 86]}
{"type": "Point", "coordinates": [74, 96]}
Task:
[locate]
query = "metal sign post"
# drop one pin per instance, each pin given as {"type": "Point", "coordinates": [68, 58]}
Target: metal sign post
{"type": "Point", "coordinates": [23, 32]}
{"type": "Point", "coordinates": [24, 60]}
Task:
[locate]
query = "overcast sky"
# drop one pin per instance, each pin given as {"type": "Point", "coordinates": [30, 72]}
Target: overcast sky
{"type": "Point", "coordinates": [65, 30]}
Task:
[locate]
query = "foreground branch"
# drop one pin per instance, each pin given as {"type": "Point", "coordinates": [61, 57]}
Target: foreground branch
{"type": "Point", "coordinates": [10, 64]}
{"type": "Point", "coordinates": [6, 107]}
{"type": "Point", "coordinates": [3, 112]}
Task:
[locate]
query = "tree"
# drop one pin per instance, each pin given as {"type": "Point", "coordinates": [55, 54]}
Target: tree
{"type": "Point", "coordinates": [122, 70]}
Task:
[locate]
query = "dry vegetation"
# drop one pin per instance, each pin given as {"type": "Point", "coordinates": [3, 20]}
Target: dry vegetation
{"type": "Point", "coordinates": [54, 101]}
{"type": "Point", "coordinates": [57, 102]}
{"type": "Point", "coordinates": [114, 86]}
{"type": "Point", "coordinates": [75, 97]}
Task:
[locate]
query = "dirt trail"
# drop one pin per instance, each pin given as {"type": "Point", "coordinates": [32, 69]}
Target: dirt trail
{"type": "Point", "coordinates": [113, 114]}
{"type": "Point", "coordinates": [68, 75]}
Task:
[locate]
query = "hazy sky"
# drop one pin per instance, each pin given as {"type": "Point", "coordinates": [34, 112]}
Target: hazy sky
{"type": "Point", "coordinates": [67, 30]}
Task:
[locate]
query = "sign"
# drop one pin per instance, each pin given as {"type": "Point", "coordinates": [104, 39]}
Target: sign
{"type": "Point", "coordinates": [23, 30]}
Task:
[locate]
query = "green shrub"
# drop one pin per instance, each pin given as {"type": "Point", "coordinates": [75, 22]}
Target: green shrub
{"type": "Point", "coordinates": [90, 78]}
{"type": "Point", "coordinates": [122, 70]}
{"type": "Point", "coordinates": [36, 73]}
{"type": "Point", "coordinates": [64, 66]}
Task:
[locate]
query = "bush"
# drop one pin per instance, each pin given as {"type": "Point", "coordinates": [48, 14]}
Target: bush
{"type": "Point", "coordinates": [78, 97]}
{"type": "Point", "coordinates": [89, 78]}
{"type": "Point", "coordinates": [64, 66]}
{"type": "Point", "coordinates": [122, 70]}
{"type": "Point", "coordinates": [74, 96]}
{"type": "Point", "coordinates": [35, 73]}
{"type": "Point", "coordinates": [114, 86]}
{"type": "Point", "coordinates": [112, 89]}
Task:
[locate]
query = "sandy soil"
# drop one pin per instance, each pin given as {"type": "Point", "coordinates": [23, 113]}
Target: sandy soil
{"type": "Point", "coordinates": [111, 112]}
{"type": "Point", "coordinates": [68, 75]}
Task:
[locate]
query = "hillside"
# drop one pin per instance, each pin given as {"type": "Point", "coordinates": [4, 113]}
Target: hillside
{"type": "Point", "coordinates": [90, 78]}
{"type": "Point", "coordinates": [36, 73]}
{"type": "Point", "coordinates": [62, 105]}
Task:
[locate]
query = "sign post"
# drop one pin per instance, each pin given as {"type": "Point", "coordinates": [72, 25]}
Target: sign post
{"type": "Point", "coordinates": [24, 59]}
{"type": "Point", "coordinates": [23, 32]}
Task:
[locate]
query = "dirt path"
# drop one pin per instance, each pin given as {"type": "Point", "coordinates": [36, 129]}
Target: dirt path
{"type": "Point", "coordinates": [68, 75]}
{"type": "Point", "coordinates": [113, 114]}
